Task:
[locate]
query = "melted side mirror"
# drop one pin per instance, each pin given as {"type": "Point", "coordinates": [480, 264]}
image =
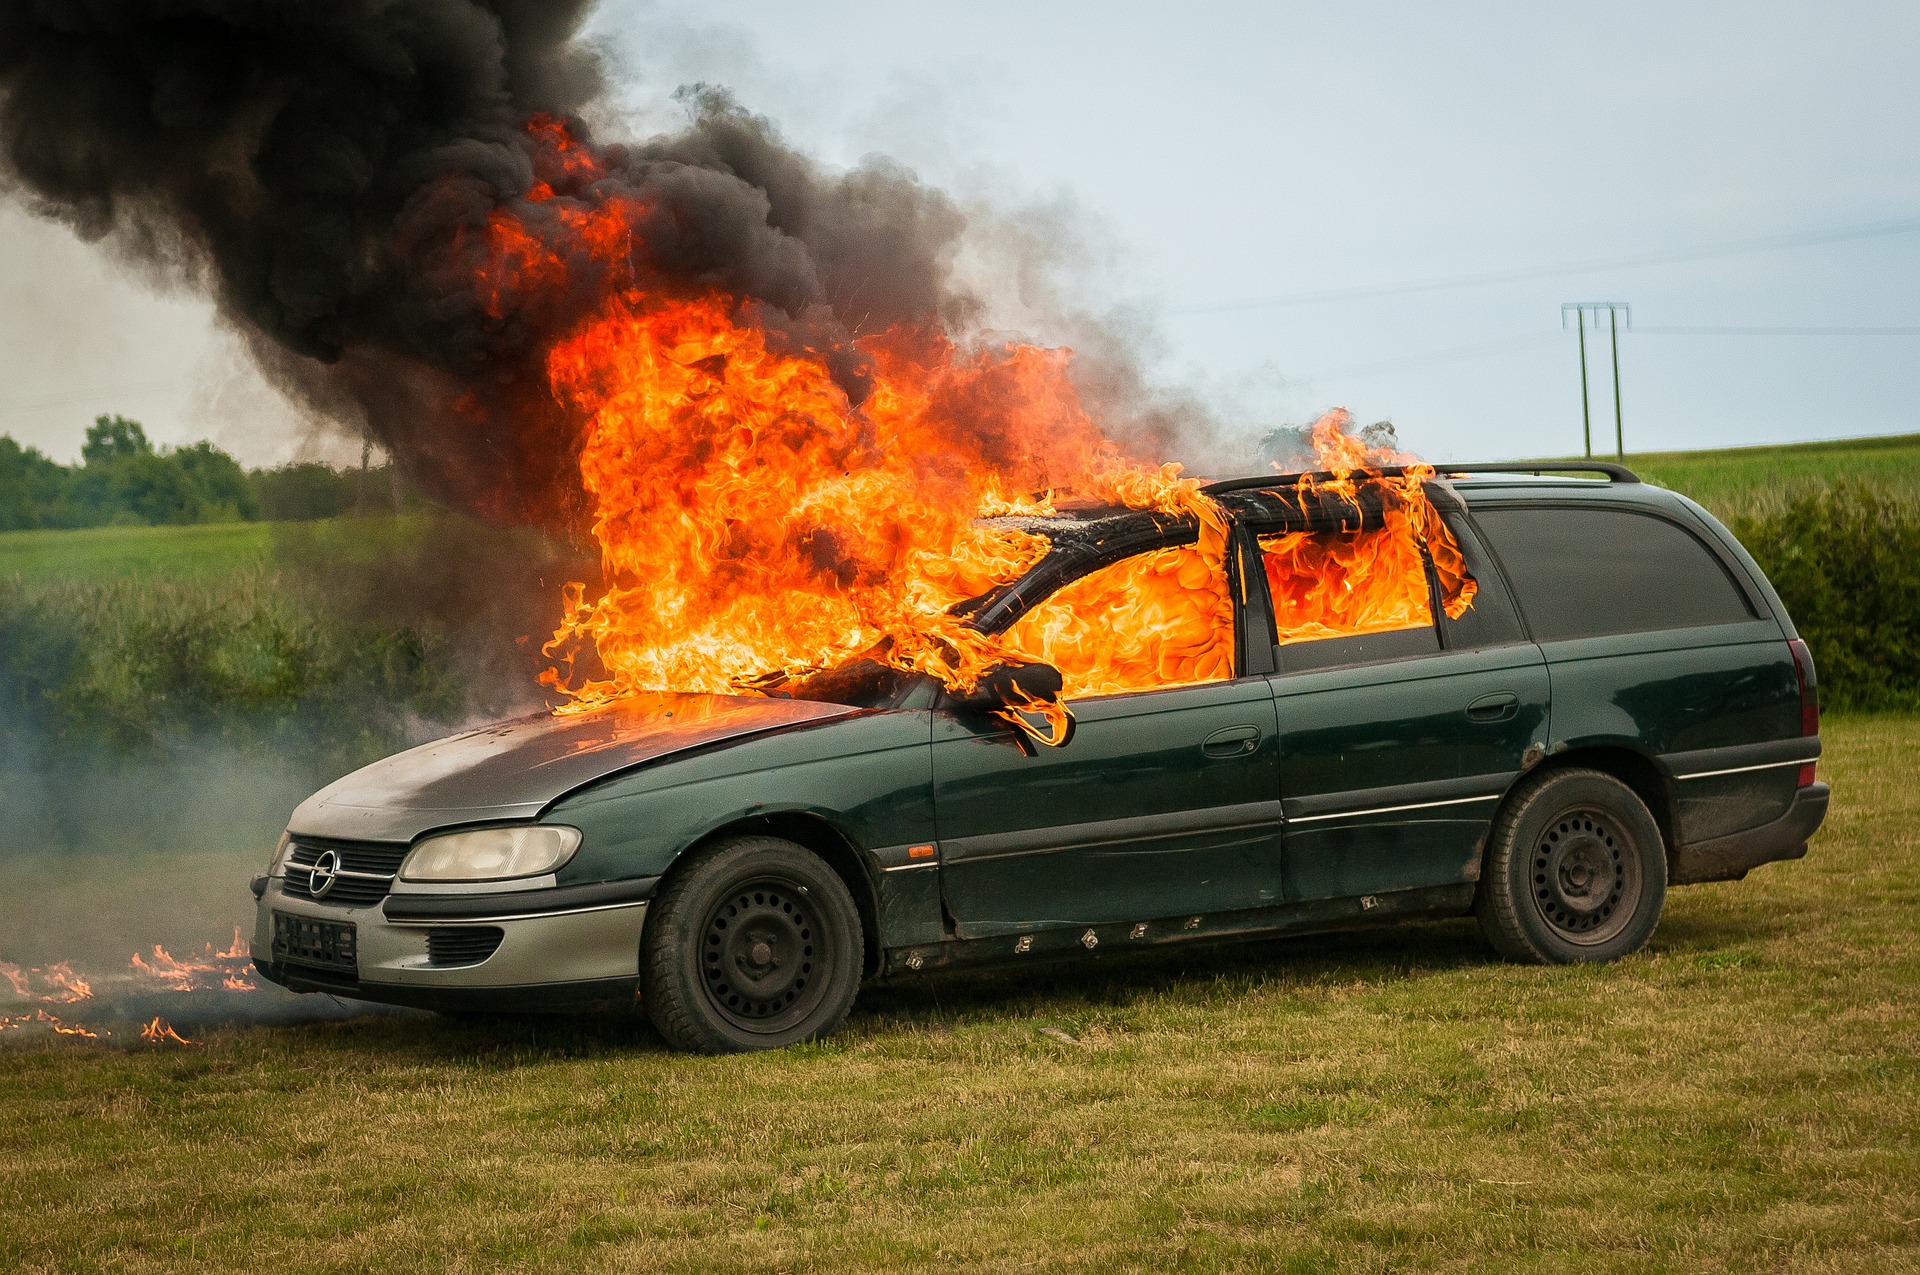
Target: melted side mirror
{"type": "Point", "coordinates": [1026, 697]}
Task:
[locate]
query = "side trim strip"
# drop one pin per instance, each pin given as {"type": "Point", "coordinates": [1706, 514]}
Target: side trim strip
{"type": "Point", "coordinates": [909, 867]}
{"type": "Point", "coordinates": [1741, 770]}
{"type": "Point", "coordinates": [1109, 832]}
{"type": "Point", "coordinates": [1388, 810]}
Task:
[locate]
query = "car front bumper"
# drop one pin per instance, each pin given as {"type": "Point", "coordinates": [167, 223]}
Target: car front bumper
{"type": "Point", "coordinates": [558, 949]}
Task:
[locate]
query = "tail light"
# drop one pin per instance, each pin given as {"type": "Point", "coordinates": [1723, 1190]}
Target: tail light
{"type": "Point", "coordinates": [1809, 699]}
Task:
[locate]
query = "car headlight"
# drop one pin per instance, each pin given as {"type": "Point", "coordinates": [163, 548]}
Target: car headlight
{"type": "Point", "coordinates": [491, 854]}
{"type": "Point", "coordinates": [276, 866]}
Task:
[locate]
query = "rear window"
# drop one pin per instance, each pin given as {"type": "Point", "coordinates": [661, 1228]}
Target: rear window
{"type": "Point", "coordinates": [1593, 572]}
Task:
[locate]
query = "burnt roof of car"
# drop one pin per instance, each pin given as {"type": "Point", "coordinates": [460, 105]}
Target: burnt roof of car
{"type": "Point", "coordinates": [1507, 469]}
{"type": "Point", "coordinates": [1273, 504]}
{"type": "Point", "coordinates": [1091, 525]}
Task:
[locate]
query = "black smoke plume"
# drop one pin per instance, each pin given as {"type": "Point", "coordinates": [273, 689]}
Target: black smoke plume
{"type": "Point", "coordinates": [325, 171]}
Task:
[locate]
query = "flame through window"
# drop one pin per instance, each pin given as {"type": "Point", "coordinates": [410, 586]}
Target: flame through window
{"type": "Point", "coordinates": [1155, 620]}
{"type": "Point", "coordinates": [1328, 585]}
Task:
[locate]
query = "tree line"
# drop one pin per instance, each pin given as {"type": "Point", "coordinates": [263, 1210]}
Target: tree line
{"type": "Point", "coordinates": [124, 480]}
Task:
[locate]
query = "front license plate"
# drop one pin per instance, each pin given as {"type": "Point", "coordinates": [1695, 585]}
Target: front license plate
{"type": "Point", "coordinates": [303, 940]}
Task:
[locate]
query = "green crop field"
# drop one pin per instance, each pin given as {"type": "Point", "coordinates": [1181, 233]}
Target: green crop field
{"type": "Point", "coordinates": [1758, 480]}
{"type": "Point", "coordinates": [198, 552]}
{"type": "Point", "coordinates": [1743, 1095]}
{"type": "Point", "coordinates": [107, 552]}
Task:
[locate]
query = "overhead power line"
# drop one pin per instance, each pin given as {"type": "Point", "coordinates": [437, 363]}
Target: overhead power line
{"type": "Point", "coordinates": [1687, 331]}
{"type": "Point", "coordinates": [1771, 243]}
{"type": "Point", "coordinates": [1450, 354]}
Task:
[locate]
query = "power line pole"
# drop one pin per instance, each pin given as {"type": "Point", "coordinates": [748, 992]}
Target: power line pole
{"type": "Point", "coordinates": [1614, 309]}
{"type": "Point", "coordinates": [1619, 427]}
{"type": "Point", "coordinates": [1586, 418]}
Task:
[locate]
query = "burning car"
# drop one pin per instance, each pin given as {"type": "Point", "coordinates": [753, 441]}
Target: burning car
{"type": "Point", "coordinates": [1299, 703]}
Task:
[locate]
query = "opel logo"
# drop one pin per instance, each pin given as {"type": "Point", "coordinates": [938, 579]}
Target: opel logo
{"type": "Point", "coordinates": [324, 872]}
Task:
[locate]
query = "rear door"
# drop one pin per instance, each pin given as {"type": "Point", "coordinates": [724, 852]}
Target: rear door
{"type": "Point", "coordinates": [1656, 645]}
{"type": "Point", "coordinates": [1165, 801]}
{"type": "Point", "coordinates": [1400, 726]}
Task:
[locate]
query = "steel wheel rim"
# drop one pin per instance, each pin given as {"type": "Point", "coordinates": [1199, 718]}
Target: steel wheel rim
{"type": "Point", "coordinates": [1584, 876]}
{"type": "Point", "coordinates": [764, 964]}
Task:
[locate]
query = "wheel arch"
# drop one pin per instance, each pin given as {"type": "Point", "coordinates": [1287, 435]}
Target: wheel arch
{"type": "Point", "coordinates": [824, 838]}
{"type": "Point", "coordinates": [1632, 767]}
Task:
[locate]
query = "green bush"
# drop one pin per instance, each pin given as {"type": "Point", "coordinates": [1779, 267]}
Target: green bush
{"type": "Point", "coordinates": [342, 641]}
{"type": "Point", "coordinates": [139, 663]}
{"type": "Point", "coordinates": [1846, 561]}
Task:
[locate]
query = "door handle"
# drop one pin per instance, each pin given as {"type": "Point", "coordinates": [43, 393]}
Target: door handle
{"type": "Point", "coordinates": [1234, 741]}
{"type": "Point", "coordinates": [1497, 707]}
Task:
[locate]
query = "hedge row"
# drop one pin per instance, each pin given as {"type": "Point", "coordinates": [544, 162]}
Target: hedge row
{"type": "Point", "coordinates": [1846, 561]}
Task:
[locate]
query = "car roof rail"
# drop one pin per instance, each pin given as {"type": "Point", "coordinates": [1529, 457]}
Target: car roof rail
{"type": "Point", "coordinates": [1614, 473]}
{"type": "Point", "coordinates": [1617, 473]}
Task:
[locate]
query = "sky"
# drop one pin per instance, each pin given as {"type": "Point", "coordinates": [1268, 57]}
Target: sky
{"type": "Point", "coordinates": [1256, 186]}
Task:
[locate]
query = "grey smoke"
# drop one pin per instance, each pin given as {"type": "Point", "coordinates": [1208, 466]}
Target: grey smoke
{"type": "Point", "coordinates": [320, 169]}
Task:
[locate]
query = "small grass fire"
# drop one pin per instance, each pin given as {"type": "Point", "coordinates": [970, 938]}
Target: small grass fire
{"type": "Point", "coordinates": [103, 998]}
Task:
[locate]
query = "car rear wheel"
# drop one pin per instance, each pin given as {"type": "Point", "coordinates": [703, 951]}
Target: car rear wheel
{"type": "Point", "coordinates": [1575, 871]}
{"type": "Point", "coordinates": [752, 943]}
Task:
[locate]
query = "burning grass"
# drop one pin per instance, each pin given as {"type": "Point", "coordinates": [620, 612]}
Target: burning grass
{"type": "Point", "coordinates": [1742, 1096]}
{"type": "Point", "coordinates": [29, 990]}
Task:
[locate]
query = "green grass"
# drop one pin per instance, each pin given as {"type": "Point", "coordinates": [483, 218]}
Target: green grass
{"type": "Point", "coordinates": [203, 551]}
{"type": "Point", "coordinates": [110, 552]}
{"type": "Point", "coordinates": [1759, 480]}
{"type": "Point", "coordinates": [1743, 1095]}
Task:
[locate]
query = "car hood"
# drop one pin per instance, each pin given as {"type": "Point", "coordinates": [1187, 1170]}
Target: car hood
{"type": "Point", "coordinates": [513, 769]}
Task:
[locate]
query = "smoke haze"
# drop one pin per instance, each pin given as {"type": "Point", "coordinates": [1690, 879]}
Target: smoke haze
{"type": "Point", "coordinates": [326, 174]}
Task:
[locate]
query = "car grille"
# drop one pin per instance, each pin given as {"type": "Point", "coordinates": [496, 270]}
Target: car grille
{"type": "Point", "coordinates": [364, 871]}
{"type": "Point", "coordinates": [463, 945]}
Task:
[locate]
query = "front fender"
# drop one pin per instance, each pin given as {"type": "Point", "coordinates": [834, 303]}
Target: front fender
{"type": "Point", "coordinates": [870, 777]}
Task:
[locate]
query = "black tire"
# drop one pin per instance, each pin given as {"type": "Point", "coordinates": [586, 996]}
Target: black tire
{"type": "Point", "coordinates": [752, 943]}
{"type": "Point", "coordinates": [1575, 871]}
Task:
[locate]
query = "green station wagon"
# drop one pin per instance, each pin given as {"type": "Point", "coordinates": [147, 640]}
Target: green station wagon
{"type": "Point", "coordinates": [1623, 706]}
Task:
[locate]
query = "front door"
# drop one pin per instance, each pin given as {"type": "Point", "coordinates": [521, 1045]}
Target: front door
{"type": "Point", "coordinates": [1165, 801]}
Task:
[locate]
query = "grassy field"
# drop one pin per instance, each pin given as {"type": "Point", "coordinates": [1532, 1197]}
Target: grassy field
{"type": "Point", "coordinates": [108, 552]}
{"type": "Point", "coordinates": [202, 551]}
{"type": "Point", "coordinates": [1748, 480]}
{"type": "Point", "coordinates": [1743, 1095]}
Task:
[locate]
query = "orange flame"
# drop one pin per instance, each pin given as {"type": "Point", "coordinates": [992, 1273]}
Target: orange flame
{"type": "Point", "coordinates": [228, 967]}
{"type": "Point", "coordinates": [68, 986]}
{"type": "Point", "coordinates": [1370, 581]}
{"type": "Point", "coordinates": [10, 1023]}
{"type": "Point", "coordinates": [160, 1032]}
{"type": "Point", "coordinates": [757, 523]}
{"type": "Point", "coordinates": [65, 1029]}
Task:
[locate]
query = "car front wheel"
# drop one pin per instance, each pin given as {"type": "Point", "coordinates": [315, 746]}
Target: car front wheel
{"type": "Point", "coordinates": [1575, 871]}
{"type": "Point", "coordinates": [752, 943]}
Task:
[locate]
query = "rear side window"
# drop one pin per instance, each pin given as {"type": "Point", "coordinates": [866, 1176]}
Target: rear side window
{"type": "Point", "coordinates": [1348, 599]}
{"type": "Point", "coordinates": [1586, 572]}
